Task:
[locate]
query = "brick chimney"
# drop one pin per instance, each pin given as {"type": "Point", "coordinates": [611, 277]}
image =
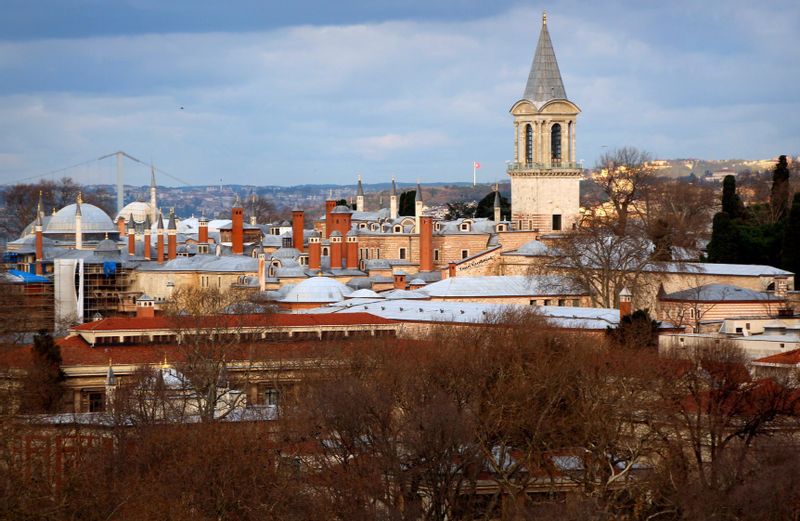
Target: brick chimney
{"type": "Point", "coordinates": [625, 302]}
{"type": "Point", "coordinates": [172, 237]}
{"type": "Point", "coordinates": [160, 239]}
{"type": "Point", "coordinates": [330, 204]}
{"type": "Point", "coordinates": [39, 245]}
{"type": "Point", "coordinates": [237, 228]}
{"type": "Point", "coordinates": [131, 241]}
{"type": "Point", "coordinates": [145, 307]}
{"type": "Point", "coordinates": [147, 245]}
{"type": "Point", "coordinates": [426, 243]}
{"type": "Point", "coordinates": [451, 269]}
{"type": "Point", "coordinates": [400, 280]}
{"type": "Point", "coordinates": [298, 223]}
{"type": "Point", "coordinates": [202, 231]}
{"type": "Point", "coordinates": [262, 272]}
{"type": "Point", "coordinates": [352, 251]}
{"type": "Point", "coordinates": [336, 250]}
{"type": "Point", "coordinates": [314, 253]}
{"type": "Point", "coordinates": [121, 225]}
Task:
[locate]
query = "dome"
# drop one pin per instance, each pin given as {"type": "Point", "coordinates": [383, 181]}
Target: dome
{"type": "Point", "coordinates": [318, 289]}
{"type": "Point", "coordinates": [534, 248]}
{"type": "Point", "coordinates": [140, 210]}
{"type": "Point", "coordinates": [93, 220]}
{"type": "Point", "coordinates": [417, 282]}
{"type": "Point", "coordinates": [364, 293]}
{"type": "Point", "coordinates": [341, 209]}
{"type": "Point", "coordinates": [106, 245]}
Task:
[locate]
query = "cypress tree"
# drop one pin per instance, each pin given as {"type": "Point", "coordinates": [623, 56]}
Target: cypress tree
{"type": "Point", "coordinates": [486, 206]}
{"type": "Point", "coordinates": [791, 241]}
{"type": "Point", "coordinates": [779, 195]}
{"type": "Point", "coordinates": [42, 387]}
{"type": "Point", "coordinates": [731, 203]}
{"type": "Point", "coordinates": [723, 246]}
{"type": "Point", "coordinates": [405, 206]}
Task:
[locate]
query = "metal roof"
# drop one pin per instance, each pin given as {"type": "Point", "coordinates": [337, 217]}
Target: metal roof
{"type": "Point", "coordinates": [719, 293]}
{"type": "Point", "coordinates": [503, 286]}
{"type": "Point", "coordinates": [544, 81]}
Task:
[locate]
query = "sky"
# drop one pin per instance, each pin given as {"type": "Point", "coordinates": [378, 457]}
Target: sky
{"type": "Point", "coordinates": [320, 91]}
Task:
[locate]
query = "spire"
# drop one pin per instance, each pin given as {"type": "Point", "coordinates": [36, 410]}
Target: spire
{"type": "Point", "coordinates": [131, 226]}
{"type": "Point", "coordinates": [160, 221]}
{"type": "Point", "coordinates": [419, 193]}
{"type": "Point", "coordinates": [236, 203]}
{"type": "Point", "coordinates": [394, 187]}
{"type": "Point", "coordinates": [171, 225]}
{"type": "Point", "coordinates": [360, 191]}
{"type": "Point", "coordinates": [152, 176]}
{"type": "Point", "coordinates": [544, 80]}
{"type": "Point", "coordinates": [78, 202]}
{"type": "Point", "coordinates": [496, 197]}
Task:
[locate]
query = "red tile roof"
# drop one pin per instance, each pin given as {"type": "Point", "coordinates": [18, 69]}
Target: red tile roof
{"type": "Point", "coordinates": [787, 358]}
{"type": "Point", "coordinates": [252, 320]}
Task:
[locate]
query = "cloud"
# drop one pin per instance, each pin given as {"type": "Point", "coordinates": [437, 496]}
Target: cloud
{"type": "Point", "coordinates": [320, 103]}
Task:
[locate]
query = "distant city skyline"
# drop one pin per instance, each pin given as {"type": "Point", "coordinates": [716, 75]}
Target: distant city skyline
{"type": "Point", "coordinates": [269, 94]}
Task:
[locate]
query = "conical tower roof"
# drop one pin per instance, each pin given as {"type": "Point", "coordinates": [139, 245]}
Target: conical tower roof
{"type": "Point", "coordinates": [544, 80]}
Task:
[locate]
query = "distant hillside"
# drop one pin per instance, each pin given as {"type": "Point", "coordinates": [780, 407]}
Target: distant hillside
{"type": "Point", "coordinates": [702, 167]}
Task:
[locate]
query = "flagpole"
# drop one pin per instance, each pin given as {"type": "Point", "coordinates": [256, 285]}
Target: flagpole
{"type": "Point", "coordinates": [474, 178]}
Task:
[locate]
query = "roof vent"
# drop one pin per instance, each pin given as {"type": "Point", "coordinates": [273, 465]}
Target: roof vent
{"type": "Point", "coordinates": [420, 310]}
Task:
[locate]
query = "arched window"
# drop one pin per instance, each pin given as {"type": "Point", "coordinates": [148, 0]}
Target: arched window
{"type": "Point", "coordinates": [528, 144]}
{"type": "Point", "coordinates": [555, 144]}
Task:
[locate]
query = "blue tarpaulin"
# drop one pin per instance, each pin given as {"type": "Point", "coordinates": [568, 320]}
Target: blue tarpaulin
{"type": "Point", "coordinates": [27, 277]}
{"type": "Point", "coordinates": [109, 268]}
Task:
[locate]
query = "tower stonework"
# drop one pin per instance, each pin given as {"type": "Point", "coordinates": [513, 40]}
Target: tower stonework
{"type": "Point", "coordinates": [545, 177]}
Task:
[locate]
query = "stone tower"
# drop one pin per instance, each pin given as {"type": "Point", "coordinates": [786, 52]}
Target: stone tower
{"type": "Point", "coordinates": [545, 179]}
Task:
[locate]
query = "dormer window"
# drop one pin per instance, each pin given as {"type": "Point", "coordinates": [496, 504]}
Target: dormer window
{"type": "Point", "coordinates": [464, 227]}
{"type": "Point", "coordinates": [362, 226]}
{"type": "Point", "coordinates": [398, 228]}
{"type": "Point", "coordinates": [437, 226]}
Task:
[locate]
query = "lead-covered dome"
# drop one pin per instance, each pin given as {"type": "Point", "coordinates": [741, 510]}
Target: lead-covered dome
{"type": "Point", "coordinates": [317, 289]}
{"type": "Point", "coordinates": [139, 209]}
{"type": "Point", "coordinates": [93, 219]}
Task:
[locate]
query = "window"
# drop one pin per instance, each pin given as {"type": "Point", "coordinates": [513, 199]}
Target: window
{"type": "Point", "coordinates": [436, 255]}
{"type": "Point", "coordinates": [576, 303]}
{"type": "Point", "coordinates": [376, 253]}
{"type": "Point", "coordinates": [271, 397]}
{"type": "Point", "coordinates": [464, 254]}
{"type": "Point", "coordinates": [546, 302]}
{"type": "Point", "coordinates": [402, 254]}
{"type": "Point", "coordinates": [97, 401]}
{"type": "Point", "coordinates": [555, 144]}
{"type": "Point", "coordinates": [556, 222]}
{"type": "Point", "coordinates": [464, 227]}
{"type": "Point", "coordinates": [325, 251]}
{"type": "Point", "coordinates": [398, 228]}
{"type": "Point", "coordinates": [747, 326]}
{"type": "Point", "coordinates": [533, 302]}
{"type": "Point", "coordinates": [528, 144]}
{"type": "Point", "coordinates": [562, 302]}
{"type": "Point", "coordinates": [219, 281]}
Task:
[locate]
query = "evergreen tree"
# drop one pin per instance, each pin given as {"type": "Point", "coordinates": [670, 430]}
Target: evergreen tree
{"type": "Point", "coordinates": [791, 241]}
{"type": "Point", "coordinates": [779, 195]}
{"type": "Point", "coordinates": [731, 202]}
{"type": "Point", "coordinates": [486, 207]}
{"type": "Point", "coordinates": [636, 330]}
{"type": "Point", "coordinates": [42, 386]}
{"type": "Point", "coordinates": [723, 246]}
{"type": "Point", "coordinates": [405, 205]}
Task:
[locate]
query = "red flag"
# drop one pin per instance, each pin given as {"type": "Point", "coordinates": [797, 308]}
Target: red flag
{"type": "Point", "coordinates": [476, 165]}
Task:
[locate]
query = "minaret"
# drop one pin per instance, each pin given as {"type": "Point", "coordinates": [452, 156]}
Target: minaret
{"type": "Point", "coordinates": [418, 205]}
{"type": "Point", "coordinates": [393, 201]}
{"type": "Point", "coordinates": [160, 239]}
{"type": "Point", "coordinates": [111, 386]}
{"type": "Point", "coordinates": [497, 217]}
{"type": "Point", "coordinates": [153, 198]}
{"type": "Point", "coordinates": [78, 227]}
{"type": "Point", "coordinates": [360, 196]}
{"type": "Point", "coordinates": [253, 209]}
{"type": "Point", "coordinates": [39, 239]}
{"type": "Point", "coordinates": [545, 180]}
{"type": "Point", "coordinates": [172, 236]}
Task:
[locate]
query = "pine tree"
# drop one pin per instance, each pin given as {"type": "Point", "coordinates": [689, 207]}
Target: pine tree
{"type": "Point", "coordinates": [43, 384]}
{"type": "Point", "coordinates": [791, 241]}
{"type": "Point", "coordinates": [779, 196]}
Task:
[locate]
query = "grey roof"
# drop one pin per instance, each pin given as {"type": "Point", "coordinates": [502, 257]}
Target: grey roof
{"type": "Point", "coordinates": [503, 286]}
{"type": "Point", "coordinates": [719, 293]}
{"type": "Point", "coordinates": [419, 193]}
{"type": "Point", "coordinates": [708, 268]}
{"type": "Point", "coordinates": [544, 80]}
{"type": "Point", "coordinates": [106, 245]}
{"type": "Point", "coordinates": [93, 219]}
{"type": "Point", "coordinates": [403, 294]}
{"type": "Point", "coordinates": [364, 293]}
{"type": "Point", "coordinates": [212, 263]}
{"type": "Point", "coordinates": [317, 289]}
{"type": "Point", "coordinates": [342, 209]}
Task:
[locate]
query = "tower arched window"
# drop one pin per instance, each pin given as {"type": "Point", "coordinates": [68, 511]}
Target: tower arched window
{"type": "Point", "coordinates": [555, 144]}
{"type": "Point", "coordinates": [528, 144]}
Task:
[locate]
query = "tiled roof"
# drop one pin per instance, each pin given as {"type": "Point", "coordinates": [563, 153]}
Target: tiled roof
{"type": "Point", "coordinates": [252, 320]}
{"type": "Point", "coordinates": [787, 358]}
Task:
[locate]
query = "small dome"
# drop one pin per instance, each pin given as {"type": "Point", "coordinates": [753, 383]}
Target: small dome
{"type": "Point", "coordinates": [417, 282]}
{"type": "Point", "coordinates": [106, 245]}
{"type": "Point", "coordinates": [535, 248]}
{"type": "Point", "coordinates": [318, 289]}
{"type": "Point", "coordinates": [336, 233]}
{"type": "Point", "coordinates": [341, 209]}
{"type": "Point", "coordinates": [93, 220]}
{"type": "Point", "coordinates": [364, 293]}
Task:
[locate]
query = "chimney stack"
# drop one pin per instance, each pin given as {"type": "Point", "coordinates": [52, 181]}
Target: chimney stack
{"type": "Point", "coordinates": [336, 250]}
{"type": "Point", "coordinates": [237, 228]}
{"type": "Point", "coordinates": [400, 280]}
{"type": "Point", "coordinates": [202, 230]}
{"type": "Point", "coordinates": [451, 269]}
{"type": "Point", "coordinates": [625, 302]}
{"type": "Point", "coordinates": [426, 243]}
{"type": "Point", "coordinates": [314, 253]}
{"type": "Point", "coordinates": [172, 236]}
{"type": "Point", "coordinates": [39, 244]}
{"type": "Point", "coordinates": [121, 225]}
{"type": "Point", "coordinates": [298, 223]}
{"type": "Point", "coordinates": [330, 204]}
{"type": "Point", "coordinates": [131, 236]}
{"type": "Point", "coordinates": [352, 251]}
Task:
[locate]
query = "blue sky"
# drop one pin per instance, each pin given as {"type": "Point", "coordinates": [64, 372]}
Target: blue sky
{"type": "Point", "coordinates": [320, 91]}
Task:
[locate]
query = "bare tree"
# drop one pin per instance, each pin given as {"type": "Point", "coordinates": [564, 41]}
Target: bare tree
{"type": "Point", "coordinates": [623, 175]}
